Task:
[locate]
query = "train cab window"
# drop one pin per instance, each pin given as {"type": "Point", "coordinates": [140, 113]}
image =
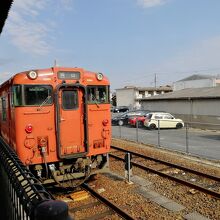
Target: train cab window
{"type": "Point", "coordinates": [32, 95]}
{"type": "Point", "coordinates": [37, 94]}
{"type": "Point", "coordinates": [69, 99]}
{"type": "Point", "coordinates": [98, 94]}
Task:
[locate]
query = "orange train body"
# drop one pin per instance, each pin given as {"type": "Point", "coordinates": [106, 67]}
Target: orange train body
{"type": "Point", "coordinates": [57, 119]}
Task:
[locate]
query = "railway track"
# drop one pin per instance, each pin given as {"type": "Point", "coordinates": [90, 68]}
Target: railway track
{"type": "Point", "coordinates": [111, 207]}
{"type": "Point", "coordinates": [102, 206]}
{"type": "Point", "coordinates": [192, 178]}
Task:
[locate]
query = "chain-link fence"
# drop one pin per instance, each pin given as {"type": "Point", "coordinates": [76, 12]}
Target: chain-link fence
{"type": "Point", "coordinates": [199, 139]}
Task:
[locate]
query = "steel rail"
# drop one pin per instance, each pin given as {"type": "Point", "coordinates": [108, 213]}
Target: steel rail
{"type": "Point", "coordinates": [107, 202]}
{"type": "Point", "coordinates": [216, 178]}
{"type": "Point", "coordinates": [184, 182]}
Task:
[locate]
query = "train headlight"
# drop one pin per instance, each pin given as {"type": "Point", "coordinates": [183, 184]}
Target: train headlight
{"type": "Point", "coordinates": [29, 128]}
{"type": "Point", "coordinates": [99, 76]}
{"type": "Point", "coordinates": [105, 122]}
{"type": "Point", "coordinates": [32, 75]}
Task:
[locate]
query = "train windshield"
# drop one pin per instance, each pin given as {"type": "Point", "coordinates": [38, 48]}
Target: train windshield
{"type": "Point", "coordinates": [97, 94]}
{"type": "Point", "coordinates": [32, 95]}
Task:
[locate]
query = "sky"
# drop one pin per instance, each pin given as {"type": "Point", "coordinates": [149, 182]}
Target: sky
{"type": "Point", "coordinates": [130, 41]}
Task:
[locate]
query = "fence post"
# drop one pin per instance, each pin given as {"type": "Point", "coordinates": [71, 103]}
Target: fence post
{"type": "Point", "coordinates": [137, 130]}
{"type": "Point", "coordinates": [187, 138]}
{"type": "Point", "coordinates": [158, 132]}
{"type": "Point", "coordinates": [120, 131]}
{"type": "Point", "coordinates": [128, 167]}
{"type": "Point", "coordinates": [107, 157]}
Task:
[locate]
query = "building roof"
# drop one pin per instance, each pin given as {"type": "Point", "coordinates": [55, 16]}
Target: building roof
{"type": "Point", "coordinates": [198, 77]}
{"type": "Point", "coordinates": [193, 93]}
{"type": "Point", "coordinates": [161, 88]}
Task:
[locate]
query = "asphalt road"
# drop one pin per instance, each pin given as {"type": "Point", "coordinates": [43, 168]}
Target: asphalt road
{"type": "Point", "coordinates": [203, 143]}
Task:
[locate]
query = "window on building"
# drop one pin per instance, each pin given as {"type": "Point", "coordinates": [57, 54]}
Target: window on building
{"type": "Point", "coordinates": [142, 93]}
{"type": "Point", "coordinates": [151, 93]}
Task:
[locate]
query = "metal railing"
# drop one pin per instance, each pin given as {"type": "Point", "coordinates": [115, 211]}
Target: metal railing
{"type": "Point", "coordinates": [192, 139]}
{"type": "Point", "coordinates": [22, 196]}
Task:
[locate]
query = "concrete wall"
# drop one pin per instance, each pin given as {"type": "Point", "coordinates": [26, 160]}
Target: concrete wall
{"type": "Point", "coordinates": [199, 111]}
{"type": "Point", "coordinates": [125, 97]}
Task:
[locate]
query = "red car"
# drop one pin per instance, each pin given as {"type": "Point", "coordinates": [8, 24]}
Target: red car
{"type": "Point", "coordinates": [140, 119]}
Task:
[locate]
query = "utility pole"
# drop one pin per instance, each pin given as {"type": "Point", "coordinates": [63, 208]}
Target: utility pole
{"type": "Point", "coordinates": [155, 80]}
{"type": "Point", "coordinates": [55, 63]}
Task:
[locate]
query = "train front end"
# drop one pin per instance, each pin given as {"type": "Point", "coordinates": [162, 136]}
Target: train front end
{"type": "Point", "coordinates": [62, 123]}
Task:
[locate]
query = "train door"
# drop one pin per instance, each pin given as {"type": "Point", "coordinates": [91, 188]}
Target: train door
{"type": "Point", "coordinates": [71, 122]}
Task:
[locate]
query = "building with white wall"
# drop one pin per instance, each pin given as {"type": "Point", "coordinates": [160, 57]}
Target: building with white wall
{"type": "Point", "coordinates": [200, 105]}
{"type": "Point", "coordinates": [197, 81]}
{"type": "Point", "coordinates": [131, 96]}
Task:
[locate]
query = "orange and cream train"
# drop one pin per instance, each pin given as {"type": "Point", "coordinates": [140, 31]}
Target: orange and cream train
{"type": "Point", "coordinates": [57, 120]}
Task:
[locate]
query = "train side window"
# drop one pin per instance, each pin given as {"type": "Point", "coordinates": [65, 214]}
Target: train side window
{"type": "Point", "coordinates": [69, 99]}
{"type": "Point", "coordinates": [91, 97]}
{"type": "Point", "coordinates": [17, 95]}
{"type": "Point", "coordinates": [102, 94]}
{"type": "Point", "coordinates": [4, 112]}
{"type": "Point", "coordinates": [98, 94]}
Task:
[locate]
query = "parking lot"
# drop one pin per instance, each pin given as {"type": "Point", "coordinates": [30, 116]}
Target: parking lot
{"type": "Point", "coordinates": [198, 142]}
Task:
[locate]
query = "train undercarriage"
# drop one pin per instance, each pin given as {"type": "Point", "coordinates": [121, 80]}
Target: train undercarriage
{"type": "Point", "coordinates": [70, 171]}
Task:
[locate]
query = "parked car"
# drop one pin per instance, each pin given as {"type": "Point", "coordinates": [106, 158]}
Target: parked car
{"type": "Point", "coordinates": [140, 119]}
{"type": "Point", "coordinates": [164, 120]}
{"type": "Point", "coordinates": [137, 119]}
{"type": "Point", "coordinates": [112, 108]}
{"type": "Point", "coordinates": [120, 109]}
{"type": "Point", "coordinates": [123, 119]}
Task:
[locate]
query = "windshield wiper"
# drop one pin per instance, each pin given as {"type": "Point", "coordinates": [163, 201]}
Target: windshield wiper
{"type": "Point", "coordinates": [95, 100]}
{"type": "Point", "coordinates": [43, 103]}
